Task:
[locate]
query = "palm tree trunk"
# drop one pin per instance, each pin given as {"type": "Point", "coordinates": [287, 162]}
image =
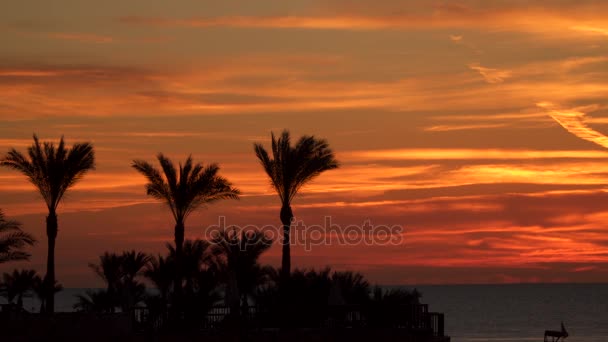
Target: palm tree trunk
{"type": "Point", "coordinates": [20, 302]}
{"type": "Point", "coordinates": [235, 296]}
{"type": "Point", "coordinates": [49, 279]}
{"type": "Point", "coordinates": [179, 246]}
{"type": "Point", "coordinates": [286, 217]}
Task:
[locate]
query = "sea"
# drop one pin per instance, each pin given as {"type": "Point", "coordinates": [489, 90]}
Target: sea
{"type": "Point", "coordinates": [520, 312]}
{"type": "Point", "coordinates": [493, 313]}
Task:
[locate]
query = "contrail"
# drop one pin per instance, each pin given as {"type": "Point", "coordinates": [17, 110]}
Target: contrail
{"type": "Point", "coordinates": [573, 121]}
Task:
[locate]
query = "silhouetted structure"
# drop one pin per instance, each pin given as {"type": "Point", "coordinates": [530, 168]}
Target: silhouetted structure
{"type": "Point", "coordinates": [556, 335]}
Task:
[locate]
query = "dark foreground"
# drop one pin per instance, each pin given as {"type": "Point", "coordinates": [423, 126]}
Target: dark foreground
{"type": "Point", "coordinates": [137, 326]}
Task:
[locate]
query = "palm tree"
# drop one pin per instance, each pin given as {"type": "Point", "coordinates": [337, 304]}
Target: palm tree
{"type": "Point", "coordinates": [195, 258]}
{"type": "Point", "coordinates": [53, 170]}
{"type": "Point", "coordinates": [160, 271]}
{"type": "Point", "coordinates": [111, 272]}
{"type": "Point", "coordinates": [119, 273]}
{"type": "Point", "coordinates": [133, 265]}
{"type": "Point", "coordinates": [238, 254]}
{"type": "Point", "coordinates": [13, 240]}
{"type": "Point", "coordinates": [184, 191]}
{"type": "Point", "coordinates": [94, 301]}
{"type": "Point", "coordinates": [18, 285]}
{"type": "Point", "coordinates": [40, 289]}
{"type": "Point", "coordinates": [290, 168]}
{"type": "Point", "coordinates": [198, 278]}
{"type": "Point", "coordinates": [351, 287]}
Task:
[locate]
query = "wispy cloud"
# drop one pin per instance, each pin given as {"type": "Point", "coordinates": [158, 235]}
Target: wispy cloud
{"type": "Point", "coordinates": [573, 121]}
{"type": "Point", "coordinates": [592, 29]}
{"type": "Point", "coordinates": [491, 75]}
{"type": "Point", "coordinates": [81, 37]}
{"type": "Point", "coordinates": [473, 154]}
{"type": "Point", "coordinates": [447, 128]}
{"type": "Point", "coordinates": [534, 19]}
{"type": "Point", "coordinates": [455, 38]}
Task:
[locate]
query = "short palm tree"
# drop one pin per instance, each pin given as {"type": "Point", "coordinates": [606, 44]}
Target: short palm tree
{"type": "Point", "coordinates": [13, 240]}
{"type": "Point", "coordinates": [41, 291]}
{"type": "Point", "coordinates": [160, 271]}
{"type": "Point", "coordinates": [94, 301]}
{"type": "Point", "coordinates": [53, 170]}
{"type": "Point", "coordinates": [17, 285]}
{"type": "Point", "coordinates": [238, 254]}
{"type": "Point", "coordinates": [133, 266]}
{"type": "Point", "coordinates": [119, 272]}
{"type": "Point", "coordinates": [289, 169]}
{"type": "Point", "coordinates": [184, 191]}
{"type": "Point", "coordinates": [111, 272]}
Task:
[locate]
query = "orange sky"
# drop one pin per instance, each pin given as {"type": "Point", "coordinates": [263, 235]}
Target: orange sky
{"type": "Point", "coordinates": [479, 126]}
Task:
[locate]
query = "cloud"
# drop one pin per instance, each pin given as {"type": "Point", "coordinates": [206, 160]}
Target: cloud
{"type": "Point", "coordinates": [455, 38]}
{"type": "Point", "coordinates": [448, 128]}
{"type": "Point", "coordinates": [592, 29]}
{"type": "Point", "coordinates": [471, 154]}
{"type": "Point", "coordinates": [491, 75]}
{"type": "Point", "coordinates": [81, 37]}
{"type": "Point", "coordinates": [502, 17]}
{"type": "Point", "coordinates": [573, 121]}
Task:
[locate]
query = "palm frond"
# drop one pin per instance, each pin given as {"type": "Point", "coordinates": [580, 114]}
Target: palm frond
{"type": "Point", "coordinates": [292, 167]}
{"type": "Point", "coordinates": [188, 188]}
{"type": "Point", "coordinates": [52, 169]}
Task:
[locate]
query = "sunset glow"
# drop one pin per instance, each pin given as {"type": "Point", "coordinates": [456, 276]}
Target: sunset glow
{"type": "Point", "coordinates": [478, 126]}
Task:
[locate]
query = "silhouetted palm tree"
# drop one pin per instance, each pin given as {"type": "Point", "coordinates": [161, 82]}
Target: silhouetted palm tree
{"type": "Point", "coordinates": [18, 285]}
{"type": "Point", "coordinates": [41, 291]}
{"type": "Point", "coordinates": [53, 170]}
{"type": "Point", "coordinates": [94, 301]}
{"type": "Point", "coordinates": [184, 191]}
{"type": "Point", "coordinates": [110, 271]}
{"type": "Point", "coordinates": [13, 240]}
{"type": "Point", "coordinates": [198, 278]}
{"type": "Point", "coordinates": [160, 271]}
{"type": "Point", "coordinates": [196, 257]}
{"type": "Point", "coordinates": [119, 273]}
{"type": "Point", "coordinates": [133, 265]}
{"type": "Point", "coordinates": [290, 168]}
{"type": "Point", "coordinates": [238, 253]}
{"type": "Point", "coordinates": [352, 288]}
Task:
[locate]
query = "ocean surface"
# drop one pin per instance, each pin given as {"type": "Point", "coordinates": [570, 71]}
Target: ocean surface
{"type": "Point", "coordinates": [495, 313]}
{"type": "Point", "coordinates": [522, 312]}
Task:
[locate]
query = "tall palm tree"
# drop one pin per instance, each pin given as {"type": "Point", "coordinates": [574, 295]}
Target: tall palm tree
{"type": "Point", "coordinates": [184, 191]}
{"type": "Point", "coordinates": [13, 240]}
{"type": "Point", "coordinates": [53, 170]}
{"type": "Point", "coordinates": [289, 169]}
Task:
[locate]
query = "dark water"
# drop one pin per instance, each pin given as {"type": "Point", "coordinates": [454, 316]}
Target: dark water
{"type": "Point", "coordinates": [496, 313]}
{"type": "Point", "coordinates": [508, 313]}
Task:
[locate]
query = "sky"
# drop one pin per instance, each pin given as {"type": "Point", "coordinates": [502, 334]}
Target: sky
{"type": "Point", "coordinates": [477, 126]}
